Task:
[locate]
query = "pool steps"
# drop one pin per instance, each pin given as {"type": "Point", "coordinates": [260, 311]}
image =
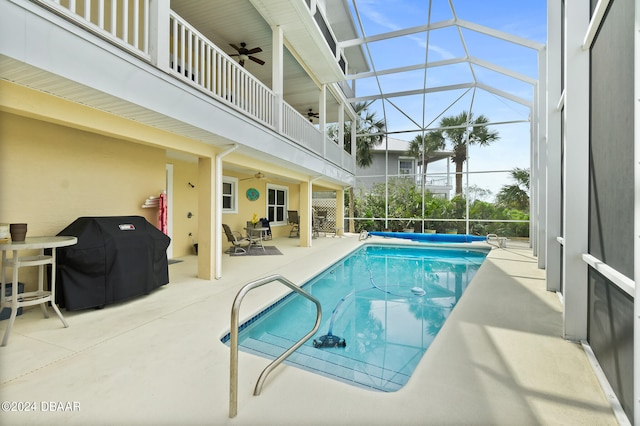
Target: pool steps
{"type": "Point", "coordinates": [312, 359]}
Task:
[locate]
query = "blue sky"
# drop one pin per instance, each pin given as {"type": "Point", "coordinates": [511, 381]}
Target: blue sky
{"type": "Point", "coordinates": [526, 19]}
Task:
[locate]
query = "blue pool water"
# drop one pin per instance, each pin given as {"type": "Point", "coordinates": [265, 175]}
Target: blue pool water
{"type": "Point", "coordinates": [387, 302]}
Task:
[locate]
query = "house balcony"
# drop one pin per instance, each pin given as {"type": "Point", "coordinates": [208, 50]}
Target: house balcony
{"type": "Point", "coordinates": [165, 55]}
{"type": "Point", "coordinates": [438, 186]}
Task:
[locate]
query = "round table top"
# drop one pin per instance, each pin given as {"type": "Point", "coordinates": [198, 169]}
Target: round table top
{"type": "Point", "coordinates": [39, 243]}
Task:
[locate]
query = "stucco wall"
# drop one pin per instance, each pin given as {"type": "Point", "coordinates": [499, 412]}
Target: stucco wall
{"type": "Point", "coordinates": [185, 200]}
{"type": "Point", "coordinates": [50, 175]}
{"type": "Point", "coordinates": [247, 208]}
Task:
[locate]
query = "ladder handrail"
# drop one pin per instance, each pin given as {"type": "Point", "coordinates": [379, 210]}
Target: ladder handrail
{"type": "Point", "coordinates": [233, 338]}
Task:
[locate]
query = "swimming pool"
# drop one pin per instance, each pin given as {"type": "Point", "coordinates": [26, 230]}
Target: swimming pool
{"type": "Point", "coordinates": [386, 302]}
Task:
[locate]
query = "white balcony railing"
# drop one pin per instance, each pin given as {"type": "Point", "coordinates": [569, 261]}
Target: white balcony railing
{"type": "Point", "coordinates": [298, 128]}
{"type": "Point", "coordinates": [193, 58]}
{"type": "Point", "coordinates": [125, 22]}
{"type": "Point", "coordinates": [200, 61]}
{"type": "Point", "coordinates": [334, 152]}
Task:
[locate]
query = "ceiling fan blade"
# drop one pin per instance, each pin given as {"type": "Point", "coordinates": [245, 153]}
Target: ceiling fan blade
{"type": "Point", "coordinates": [234, 54]}
{"type": "Point", "coordinates": [254, 50]}
{"type": "Point", "coordinates": [254, 59]}
{"type": "Point", "coordinates": [242, 62]}
{"type": "Point", "coordinates": [234, 46]}
{"type": "Point", "coordinates": [256, 176]}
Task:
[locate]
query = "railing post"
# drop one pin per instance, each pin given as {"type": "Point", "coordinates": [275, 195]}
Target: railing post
{"type": "Point", "coordinates": [159, 33]}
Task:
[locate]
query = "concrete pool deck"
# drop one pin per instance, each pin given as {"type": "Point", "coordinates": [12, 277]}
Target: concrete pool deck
{"type": "Point", "coordinates": [500, 358]}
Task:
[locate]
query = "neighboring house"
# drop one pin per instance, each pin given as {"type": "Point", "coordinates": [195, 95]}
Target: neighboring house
{"type": "Point", "coordinates": [105, 104]}
{"type": "Point", "coordinates": [390, 160]}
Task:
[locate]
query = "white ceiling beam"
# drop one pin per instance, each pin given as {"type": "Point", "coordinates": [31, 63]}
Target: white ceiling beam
{"type": "Point", "coordinates": [491, 66]}
{"type": "Point", "coordinates": [406, 68]}
{"type": "Point", "coordinates": [443, 24]}
{"type": "Point", "coordinates": [412, 92]}
{"type": "Point", "coordinates": [505, 95]}
{"type": "Point", "coordinates": [484, 87]}
{"type": "Point", "coordinates": [430, 129]}
{"type": "Point", "coordinates": [500, 34]}
{"type": "Point", "coordinates": [477, 61]}
{"type": "Point", "coordinates": [398, 33]}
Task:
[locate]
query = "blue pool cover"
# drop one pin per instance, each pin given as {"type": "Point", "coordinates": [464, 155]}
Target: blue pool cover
{"type": "Point", "coordinates": [436, 238]}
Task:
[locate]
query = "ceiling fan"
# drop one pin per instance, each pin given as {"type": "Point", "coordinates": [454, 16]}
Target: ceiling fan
{"type": "Point", "coordinates": [244, 53]}
{"type": "Point", "coordinates": [312, 115]}
{"type": "Point", "coordinates": [257, 176]}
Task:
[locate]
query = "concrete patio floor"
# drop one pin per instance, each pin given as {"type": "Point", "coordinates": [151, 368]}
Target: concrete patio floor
{"type": "Point", "coordinates": [158, 360]}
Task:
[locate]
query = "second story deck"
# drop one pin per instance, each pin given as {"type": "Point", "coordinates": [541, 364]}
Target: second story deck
{"type": "Point", "coordinates": [142, 60]}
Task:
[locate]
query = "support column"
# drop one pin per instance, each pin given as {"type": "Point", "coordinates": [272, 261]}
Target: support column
{"type": "Point", "coordinates": [340, 212]}
{"type": "Point", "coordinates": [206, 218]}
{"type": "Point", "coordinates": [541, 191]}
{"type": "Point", "coordinates": [277, 71]}
{"type": "Point", "coordinates": [534, 164]}
{"type": "Point", "coordinates": [322, 103]}
{"type": "Point", "coordinates": [576, 170]}
{"type": "Point", "coordinates": [305, 214]}
{"type": "Point", "coordinates": [636, 301]}
{"type": "Point", "coordinates": [553, 146]}
{"type": "Point", "coordinates": [217, 247]}
{"type": "Point", "coordinates": [354, 139]}
{"type": "Point", "coordinates": [341, 132]}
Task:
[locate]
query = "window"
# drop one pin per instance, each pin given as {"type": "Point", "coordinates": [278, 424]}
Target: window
{"type": "Point", "coordinates": [405, 167]}
{"type": "Point", "coordinates": [229, 195]}
{"type": "Point", "coordinates": [277, 201]}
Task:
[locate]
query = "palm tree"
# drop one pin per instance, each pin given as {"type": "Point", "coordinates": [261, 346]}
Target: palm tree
{"type": "Point", "coordinates": [516, 196]}
{"type": "Point", "coordinates": [369, 134]}
{"type": "Point", "coordinates": [455, 129]}
{"type": "Point", "coordinates": [369, 131]}
{"type": "Point", "coordinates": [423, 146]}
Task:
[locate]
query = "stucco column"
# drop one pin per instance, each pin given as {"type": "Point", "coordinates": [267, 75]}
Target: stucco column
{"type": "Point", "coordinates": [206, 218]}
{"type": "Point", "coordinates": [305, 214]}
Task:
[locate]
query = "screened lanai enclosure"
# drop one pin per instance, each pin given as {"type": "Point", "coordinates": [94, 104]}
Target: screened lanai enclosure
{"type": "Point", "coordinates": [445, 112]}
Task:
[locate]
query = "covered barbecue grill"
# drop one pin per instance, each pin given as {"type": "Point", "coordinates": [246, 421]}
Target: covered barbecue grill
{"type": "Point", "coordinates": [116, 258]}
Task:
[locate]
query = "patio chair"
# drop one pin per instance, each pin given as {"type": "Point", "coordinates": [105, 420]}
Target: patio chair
{"type": "Point", "coordinates": [239, 243]}
{"type": "Point", "coordinates": [266, 224]}
{"type": "Point", "coordinates": [316, 224]}
{"type": "Point", "coordinates": [294, 221]}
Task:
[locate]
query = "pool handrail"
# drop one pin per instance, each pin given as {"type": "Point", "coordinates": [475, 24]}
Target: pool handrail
{"type": "Point", "coordinates": [233, 338]}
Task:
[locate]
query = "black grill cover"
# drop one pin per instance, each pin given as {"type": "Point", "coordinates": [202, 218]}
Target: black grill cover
{"type": "Point", "coordinates": [116, 258]}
